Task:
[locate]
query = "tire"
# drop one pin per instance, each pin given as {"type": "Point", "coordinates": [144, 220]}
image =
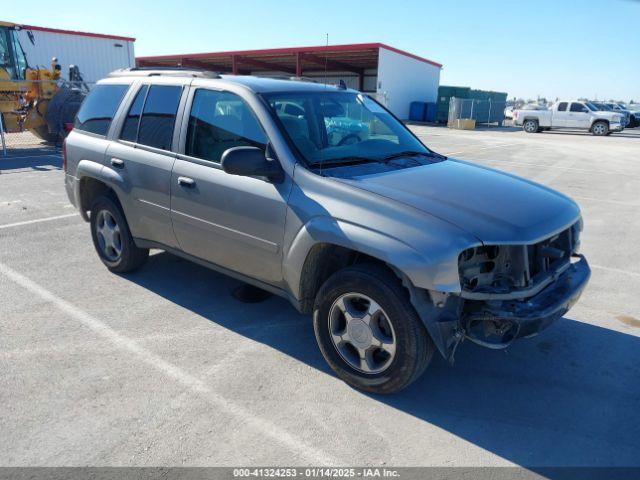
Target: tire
{"type": "Point", "coordinates": [42, 132]}
{"type": "Point", "coordinates": [531, 126]}
{"type": "Point", "coordinates": [115, 245]}
{"type": "Point", "coordinates": [600, 128]}
{"type": "Point", "coordinates": [396, 323]}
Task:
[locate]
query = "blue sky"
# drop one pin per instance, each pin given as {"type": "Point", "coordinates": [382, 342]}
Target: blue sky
{"type": "Point", "coordinates": [561, 48]}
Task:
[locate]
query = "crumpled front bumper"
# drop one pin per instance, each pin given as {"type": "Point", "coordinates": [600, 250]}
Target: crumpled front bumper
{"type": "Point", "coordinates": [502, 322]}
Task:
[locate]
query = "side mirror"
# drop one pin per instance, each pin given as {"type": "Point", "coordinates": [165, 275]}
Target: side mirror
{"type": "Point", "coordinates": [251, 162]}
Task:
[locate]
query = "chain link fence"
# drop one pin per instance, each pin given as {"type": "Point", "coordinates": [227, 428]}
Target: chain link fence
{"type": "Point", "coordinates": [51, 115]}
{"type": "Point", "coordinates": [487, 112]}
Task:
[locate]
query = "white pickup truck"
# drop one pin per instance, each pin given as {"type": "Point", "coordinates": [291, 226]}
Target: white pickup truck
{"type": "Point", "coordinates": [573, 114]}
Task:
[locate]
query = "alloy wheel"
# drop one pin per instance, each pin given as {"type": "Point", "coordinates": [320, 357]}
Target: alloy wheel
{"type": "Point", "coordinates": [362, 333]}
{"type": "Point", "coordinates": [109, 236]}
{"type": "Point", "coordinates": [599, 129]}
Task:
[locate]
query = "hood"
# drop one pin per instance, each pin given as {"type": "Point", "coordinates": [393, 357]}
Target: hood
{"type": "Point", "coordinates": [494, 206]}
{"type": "Point", "coordinates": [610, 115]}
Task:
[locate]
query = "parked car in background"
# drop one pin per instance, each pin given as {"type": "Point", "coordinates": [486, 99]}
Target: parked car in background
{"type": "Point", "coordinates": [634, 114]}
{"type": "Point", "coordinates": [616, 107]}
{"type": "Point", "coordinates": [508, 112]}
{"type": "Point", "coordinates": [396, 251]}
{"type": "Point", "coordinates": [634, 108]}
{"type": "Point", "coordinates": [570, 114]}
{"type": "Point", "coordinates": [603, 107]}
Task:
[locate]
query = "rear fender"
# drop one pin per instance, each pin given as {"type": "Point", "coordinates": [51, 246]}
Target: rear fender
{"type": "Point", "coordinates": [97, 171]}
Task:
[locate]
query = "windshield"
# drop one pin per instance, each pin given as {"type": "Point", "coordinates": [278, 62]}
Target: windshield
{"type": "Point", "coordinates": [342, 127]}
{"type": "Point", "coordinates": [5, 53]}
{"type": "Point", "coordinates": [21, 59]}
{"type": "Point", "coordinates": [602, 107]}
{"type": "Point", "coordinates": [591, 107]}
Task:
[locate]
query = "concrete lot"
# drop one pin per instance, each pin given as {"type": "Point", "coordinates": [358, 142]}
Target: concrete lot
{"type": "Point", "coordinates": [164, 367]}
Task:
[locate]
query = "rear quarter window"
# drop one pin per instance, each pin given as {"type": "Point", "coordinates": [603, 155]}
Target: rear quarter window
{"type": "Point", "coordinates": [97, 110]}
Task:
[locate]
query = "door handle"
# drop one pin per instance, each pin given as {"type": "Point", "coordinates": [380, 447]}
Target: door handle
{"type": "Point", "coordinates": [118, 163]}
{"type": "Point", "coordinates": [186, 181]}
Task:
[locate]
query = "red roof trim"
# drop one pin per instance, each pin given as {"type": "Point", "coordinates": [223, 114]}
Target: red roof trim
{"type": "Point", "coordinates": [73, 32]}
{"type": "Point", "coordinates": [410, 55]}
{"type": "Point", "coordinates": [292, 50]}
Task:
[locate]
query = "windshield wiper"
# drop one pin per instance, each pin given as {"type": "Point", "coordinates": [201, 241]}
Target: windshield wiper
{"type": "Point", "coordinates": [340, 161]}
{"type": "Point", "coordinates": [410, 153]}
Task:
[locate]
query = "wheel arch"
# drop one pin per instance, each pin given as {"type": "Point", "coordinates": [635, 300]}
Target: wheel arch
{"type": "Point", "coordinates": [94, 180]}
{"type": "Point", "coordinates": [324, 245]}
{"type": "Point", "coordinates": [316, 257]}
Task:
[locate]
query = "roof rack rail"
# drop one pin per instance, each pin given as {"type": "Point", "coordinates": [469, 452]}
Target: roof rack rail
{"type": "Point", "coordinates": [164, 71]}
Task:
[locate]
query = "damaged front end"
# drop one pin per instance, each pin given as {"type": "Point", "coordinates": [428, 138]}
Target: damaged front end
{"type": "Point", "coordinates": [507, 292]}
{"type": "Point", "coordinates": [515, 291]}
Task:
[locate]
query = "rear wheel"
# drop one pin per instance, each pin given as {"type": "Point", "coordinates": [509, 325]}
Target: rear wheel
{"type": "Point", "coordinates": [112, 238]}
{"type": "Point", "coordinates": [600, 128]}
{"type": "Point", "coordinates": [42, 132]}
{"type": "Point", "coordinates": [531, 126]}
{"type": "Point", "coordinates": [368, 331]}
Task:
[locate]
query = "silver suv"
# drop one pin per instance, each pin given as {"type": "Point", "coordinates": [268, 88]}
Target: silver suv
{"type": "Point", "coordinates": [320, 195]}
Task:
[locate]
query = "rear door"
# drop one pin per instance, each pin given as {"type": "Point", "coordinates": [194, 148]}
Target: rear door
{"type": "Point", "coordinates": [141, 154]}
{"type": "Point", "coordinates": [560, 116]}
{"type": "Point", "coordinates": [579, 116]}
{"type": "Point", "coordinates": [232, 221]}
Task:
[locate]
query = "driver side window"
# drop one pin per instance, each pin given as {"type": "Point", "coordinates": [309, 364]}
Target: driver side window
{"type": "Point", "coordinates": [578, 107]}
{"type": "Point", "coordinates": [219, 121]}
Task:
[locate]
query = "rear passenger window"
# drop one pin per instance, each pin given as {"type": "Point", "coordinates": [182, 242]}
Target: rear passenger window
{"type": "Point", "coordinates": [97, 110]}
{"type": "Point", "coordinates": [159, 116]}
{"type": "Point", "coordinates": [130, 127]}
{"type": "Point", "coordinates": [562, 107]}
{"type": "Point", "coordinates": [219, 121]}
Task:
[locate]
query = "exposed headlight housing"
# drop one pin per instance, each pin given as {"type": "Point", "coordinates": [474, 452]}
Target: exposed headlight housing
{"type": "Point", "coordinates": [498, 269]}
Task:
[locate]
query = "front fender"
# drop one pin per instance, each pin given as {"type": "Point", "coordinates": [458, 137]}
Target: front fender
{"type": "Point", "coordinates": [425, 277]}
{"type": "Point", "coordinates": [424, 271]}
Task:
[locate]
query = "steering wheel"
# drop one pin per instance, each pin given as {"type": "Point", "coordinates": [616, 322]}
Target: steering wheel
{"type": "Point", "coordinates": [350, 139]}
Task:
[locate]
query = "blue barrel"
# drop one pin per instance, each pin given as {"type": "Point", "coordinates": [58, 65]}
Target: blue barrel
{"type": "Point", "coordinates": [417, 111]}
{"type": "Point", "coordinates": [431, 111]}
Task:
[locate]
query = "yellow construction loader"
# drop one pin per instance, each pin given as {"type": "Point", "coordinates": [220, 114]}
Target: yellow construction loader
{"type": "Point", "coordinates": [33, 99]}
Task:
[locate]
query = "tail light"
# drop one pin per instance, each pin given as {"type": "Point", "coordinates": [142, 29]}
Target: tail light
{"type": "Point", "coordinates": [515, 114]}
{"type": "Point", "coordinates": [64, 155]}
{"type": "Point", "coordinates": [68, 127]}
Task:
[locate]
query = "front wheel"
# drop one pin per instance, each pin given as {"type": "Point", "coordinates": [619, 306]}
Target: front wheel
{"type": "Point", "coordinates": [368, 331]}
{"type": "Point", "coordinates": [600, 129]}
{"type": "Point", "coordinates": [531, 126]}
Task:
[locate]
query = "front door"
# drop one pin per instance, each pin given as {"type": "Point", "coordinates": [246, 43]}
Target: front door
{"type": "Point", "coordinates": [232, 221]}
{"type": "Point", "coordinates": [579, 116]}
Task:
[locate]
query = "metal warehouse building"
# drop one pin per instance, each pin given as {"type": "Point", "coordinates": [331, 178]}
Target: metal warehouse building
{"type": "Point", "coordinates": [395, 77]}
{"type": "Point", "coordinates": [96, 54]}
